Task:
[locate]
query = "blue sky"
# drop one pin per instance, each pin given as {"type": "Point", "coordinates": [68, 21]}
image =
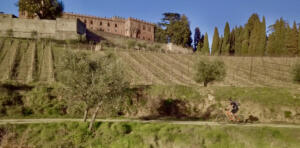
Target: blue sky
{"type": "Point", "coordinates": [205, 14]}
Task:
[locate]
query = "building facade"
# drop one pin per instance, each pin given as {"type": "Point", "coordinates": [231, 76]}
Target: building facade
{"type": "Point", "coordinates": [130, 27]}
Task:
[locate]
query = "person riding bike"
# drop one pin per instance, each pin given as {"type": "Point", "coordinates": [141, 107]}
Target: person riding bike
{"type": "Point", "coordinates": [233, 109]}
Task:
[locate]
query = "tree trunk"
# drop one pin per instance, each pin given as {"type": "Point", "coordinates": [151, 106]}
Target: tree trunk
{"type": "Point", "coordinates": [94, 117]}
{"type": "Point", "coordinates": [205, 83]}
{"type": "Point", "coordinates": [85, 114]}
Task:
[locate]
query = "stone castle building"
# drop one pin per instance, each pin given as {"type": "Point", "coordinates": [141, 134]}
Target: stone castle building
{"type": "Point", "coordinates": [130, 27]}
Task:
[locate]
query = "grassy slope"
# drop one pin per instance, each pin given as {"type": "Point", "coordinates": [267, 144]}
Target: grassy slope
{"type": "Point", "coordinates": [147, 67]}
{"type": "Point", "coordinates": [268, 85]}
{"type": "Point", "coordinates": [155, 135]}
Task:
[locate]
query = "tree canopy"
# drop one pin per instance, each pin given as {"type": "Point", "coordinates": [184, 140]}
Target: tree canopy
{"type": "Point", "coordinates": [44, 9]}
{"type": "Point", "coordinates": [176, 28]}
{"type": "Point", "coordinates": [209, 71]}
{"type": "Point", "coordinates": [93, 80]}
{"type": "Point", "coordinates": [215, 43]}
{"type": "Point", "coordinates": [252, 40]}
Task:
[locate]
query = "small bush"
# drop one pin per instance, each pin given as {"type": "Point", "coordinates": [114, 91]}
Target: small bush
{"type": "Point", "coordinates": [131, 44]}
{"type": "Point", "coordinates": [287, 114]}
{"type": "Point", "coordinates": [27, 111]}
{"type": "Point", "coordinates": [296, 72]}
{"type": "Point", "coordinates": [82, 38]}
{"type": "Point", "coordinates": [208, 71]}
{"type": "Point", "coordinates": [106, 43]}
{"type": "Point", "coordinates": [142, 45]}
{"type": "Point", "coordinates": [9, 33]}
{"type": "Point", "coordinates": [34, 34]}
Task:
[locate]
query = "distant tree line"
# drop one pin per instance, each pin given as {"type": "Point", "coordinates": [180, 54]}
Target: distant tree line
{"type": "Point", "coordinates": [252, 40]}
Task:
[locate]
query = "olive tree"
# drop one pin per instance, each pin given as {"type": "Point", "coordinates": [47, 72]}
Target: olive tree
{"type": "Point", "coordinates": [209, 71]}
{"type": "Point", "coordinates": [94, 80]}
{"type": "Point", "coordinates": [44, 9]}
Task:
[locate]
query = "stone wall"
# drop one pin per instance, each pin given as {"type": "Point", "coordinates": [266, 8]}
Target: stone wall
{"type": "Point", "coordinates": [59, 29]}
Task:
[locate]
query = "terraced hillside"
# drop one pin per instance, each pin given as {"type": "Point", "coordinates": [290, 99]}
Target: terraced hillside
{"type": "Point", "coordinates": [161, 68]}
{"type": "Point", "coordinates": [29, 61]}
{"type": "Point", "coordinates": [26, 60]}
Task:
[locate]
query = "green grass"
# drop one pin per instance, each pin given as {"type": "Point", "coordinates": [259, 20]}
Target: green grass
{"type": "Point", "coordinates": [130, 135]}
{"type": "Point", "coordinates": [263, 95]}
{"type": "Point", "coordinates": [175, 92]}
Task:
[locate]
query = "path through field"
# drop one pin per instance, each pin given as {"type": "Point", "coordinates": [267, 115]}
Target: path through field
{"type": "Point", "coordinates": [44, 121]}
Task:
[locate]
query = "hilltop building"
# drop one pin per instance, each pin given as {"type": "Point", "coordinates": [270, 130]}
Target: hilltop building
{"type": "Point", "coordinates": [130, 27]}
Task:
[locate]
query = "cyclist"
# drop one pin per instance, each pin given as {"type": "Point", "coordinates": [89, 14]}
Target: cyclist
{"type": "Point", "coordinates": [233, 109]}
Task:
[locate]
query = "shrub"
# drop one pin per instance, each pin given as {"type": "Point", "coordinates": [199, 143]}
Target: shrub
{"type": "Point", "coordinates": [9, 33]}
{"type": "Point", "coordinates": [208, 71]}
{"type": "Point", "coordinates": [82, 38]}
{"type": "Point", "coordinates": [142, 45]}
{"type": "Point", "coordinates": [296, 72]}
{"type": "Point", "coordinates": [287, 114]}
{"type": "Point", "coordinates": [131, 44]}
{"type": "Point", "coordinates": [106, 43]}
{"type": "Point", "coordinates": [34, 34]}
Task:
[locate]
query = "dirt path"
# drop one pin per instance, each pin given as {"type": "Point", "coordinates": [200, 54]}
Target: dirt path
{"type": "Point", "coordinates": [35, 121]}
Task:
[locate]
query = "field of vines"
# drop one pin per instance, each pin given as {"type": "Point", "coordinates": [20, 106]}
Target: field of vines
{"type": "Point", "coordinates": [163, 68]}
{"type": "Point", "coordinates": [26, 61]}
{"type": "Point", "coordinates": [34, 61]}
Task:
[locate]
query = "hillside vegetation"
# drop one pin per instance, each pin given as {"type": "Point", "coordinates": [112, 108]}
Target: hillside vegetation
{"type": "Point", "coordinates": [163, 84]}
{"type": "Point", "coordinates": [38, 61]}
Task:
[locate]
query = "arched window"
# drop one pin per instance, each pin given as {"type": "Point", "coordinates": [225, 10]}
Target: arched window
{"type": "Point", "coordinates": [116, 25]}
{"type": "Point", "coordinates": [91, 22]}
{"type": "Point", "coordinates": [100, 23]}
{"type": "Point", "coordinates": [108, 24]}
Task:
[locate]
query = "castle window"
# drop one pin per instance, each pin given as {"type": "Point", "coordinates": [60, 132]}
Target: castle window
{"type": "Point", "coordinates": [116, 25]}
{"type": "Point", "coordinates": [100, 23]}
{"type": "Point", "coordinates": [85, 21]}
{"type": "Point", "coordinates": [108, 24]}
{"type": "Point", "coordinates": [91, 22]}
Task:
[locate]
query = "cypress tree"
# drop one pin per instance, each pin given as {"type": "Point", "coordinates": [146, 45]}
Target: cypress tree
{"type": "Point", "coordinates": [262, 37]}
{"type": "Point", "coordinates": [205, 49]}
{"type": "Point", "coordinates": [299, 41]}
{"type": "Point", "coordinates": [186, 32]}
{"type": "Point", "coordinates": [277, 39]}
{"type": "Point", "coordinates": [292, 40]}
{"type": "Point", "coordinates": [197, 37]}
{"type": "Point", "coordinates": [245, 41]}
{"type": "Point", "coordinates": [226, 40]}
{"type": "Point", "coordinates": [232, 42]}
{"type": "Point", "coordinates": [220, 45]}
{"type": "Point", "coordinates": [238, 40]}
{"type": "Point", "coordinates": [253, 26]}
{"type": "Point", "coordinates": [215, 44]}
